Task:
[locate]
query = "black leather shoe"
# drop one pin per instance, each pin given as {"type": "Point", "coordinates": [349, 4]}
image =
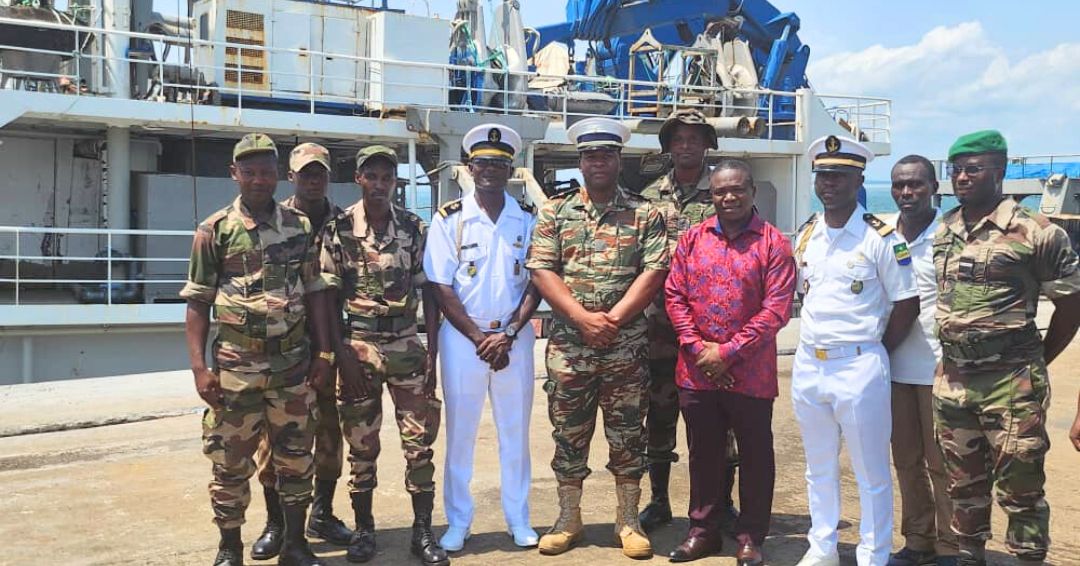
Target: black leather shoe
{"type": "Point", "coordinates": [322, 523]}
{"type": "Point", "coordinates": [269, 542]}
{"type": "Point", "coordinates": [424, 545]}
{"type": "Point", "coordinates": [230, 549]}
{"type": "Point", "coordinates": [658, 510]}
{"type": "Point", "coordinates": [295, 551]}
{"type": "Point", "coordinates": [911, 557]}
{"type": "Point", "coordinates": [362, 541]}
{"type": "Point", "coordinates": [694, 548]}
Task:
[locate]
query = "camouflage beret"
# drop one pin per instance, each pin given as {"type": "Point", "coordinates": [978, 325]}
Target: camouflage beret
{"type": "Point", "coordinates": [985, 141]}
{"type": "Point", "coordinates": [690, 117]}
{"type": "Point", "coordinates": [306, 153]}
{"type": "Point", "coordinates": [370, 151]}
{"type": "Point", "coordinates": [252, 144]}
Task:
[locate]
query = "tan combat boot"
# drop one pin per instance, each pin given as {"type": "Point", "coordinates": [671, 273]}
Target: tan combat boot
{"type": "Point", "coordinates": [628, 533]}
{"type": "Point", "coordinates": [567, 530]}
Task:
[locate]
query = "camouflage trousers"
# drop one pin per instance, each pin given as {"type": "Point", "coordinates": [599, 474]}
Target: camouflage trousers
{"type": "Point", "coordinates": [231, 435]}
{"type": "Point", "coordinates": [663, 418]}
{"type": "Point", "coordinates": [328, 444]}
{"type": "Point", "coordinates": [992, 429]}
{"type": "Point", "coordinates": [400, 363]}
{"type": "Point", "coordinates": [580, 379]}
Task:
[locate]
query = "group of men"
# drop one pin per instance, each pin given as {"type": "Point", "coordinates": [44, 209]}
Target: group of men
{"type": "Point", "coordinates": [664, 302]}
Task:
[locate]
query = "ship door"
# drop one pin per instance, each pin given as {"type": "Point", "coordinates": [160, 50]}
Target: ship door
{"type": "Point", "coordinates": [338, 70]}
{"type": "Point", "coordinates": [291, 71]}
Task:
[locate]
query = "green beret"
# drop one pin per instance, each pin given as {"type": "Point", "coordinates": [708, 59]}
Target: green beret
{"type": "Point", "coordinates": [985, 141]}
{"type": "Point", "coordinates": [252, 144]}
{"type": "Point", "coordinates": [370, 151]}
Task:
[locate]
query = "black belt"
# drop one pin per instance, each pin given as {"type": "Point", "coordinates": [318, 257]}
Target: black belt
{"type": "Point", "coordinates": [976, 347]}
{"type": "Point", "coordinates": [381, 323]}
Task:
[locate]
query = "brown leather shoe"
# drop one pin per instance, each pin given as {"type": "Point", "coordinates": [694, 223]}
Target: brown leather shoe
{"type": "Point", "coordinates": [749, 554]}
{"type": "Point", "coordinates": [694, 548]}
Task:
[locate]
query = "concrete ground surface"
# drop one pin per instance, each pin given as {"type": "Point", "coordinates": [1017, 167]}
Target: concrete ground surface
{"type": "Point", "coordinates": [135, 493]}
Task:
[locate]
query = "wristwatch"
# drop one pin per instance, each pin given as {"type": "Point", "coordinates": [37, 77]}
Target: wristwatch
{"type": "Point", "coordinates": [328, 356]}
{"type": "Point", "coordinates": [511, 331]}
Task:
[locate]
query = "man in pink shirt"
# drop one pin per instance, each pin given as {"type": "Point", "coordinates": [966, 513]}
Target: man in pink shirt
{"type": "Point", "coordinates": [729, 292]}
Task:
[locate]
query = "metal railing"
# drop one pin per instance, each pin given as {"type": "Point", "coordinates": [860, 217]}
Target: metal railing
{"type": "Point", "coordinates": [106, 277]}
{"type": "Point", "coordinates": [1028, 166]}
{"type": "Point", "coordinates": [427, 86]}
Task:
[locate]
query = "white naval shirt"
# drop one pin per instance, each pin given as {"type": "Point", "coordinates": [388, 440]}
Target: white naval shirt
{"type": "Point", "coordinates": [913, 362]}
{"type": "Point", "coordinates": [488, 273]}
{"type": "Point", "coordinates": [850, 284]}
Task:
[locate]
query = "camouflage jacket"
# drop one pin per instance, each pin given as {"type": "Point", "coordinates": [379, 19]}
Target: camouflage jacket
{"type": "Point", "coordinates": [333, 211]}
{"type": "Point", "coordinates": [989, 280]}
{"type": "Point", "coordinates": [683, 207]}
{"type": "Point", "coordinates": [598, 251]}
{"type": "Point", "coordinates": [378, 276]}
{"type": "Point", "coordinates": [255, 274]}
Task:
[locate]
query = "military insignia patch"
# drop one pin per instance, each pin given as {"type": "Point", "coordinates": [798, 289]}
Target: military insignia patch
{"type": "Point", "coordinates": [494, 135]}
{"type": "Point", "coordinates": [902, 253]}
{"type": "Point", "coordinates": [832, 144]}
{"type": "Point", "coordinates": [856, 286]}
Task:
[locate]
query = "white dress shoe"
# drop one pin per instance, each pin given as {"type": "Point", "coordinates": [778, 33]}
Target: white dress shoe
{"type": "Point", "coordinates": [524, 537]}
{"type": "Point", "coordinates": [454, 538]}
{"type": "Point", "coordinates": [810, 559]}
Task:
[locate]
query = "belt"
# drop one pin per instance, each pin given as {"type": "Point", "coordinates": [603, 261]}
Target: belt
{"type": "Point", "coordinates": [977, 347]}
{"type": "Point", "coordinates": [487, 325]}
{"type": "Point", "coordinates": [381, 323]}
{"type": "Point", "coordinates": [294, 337]}
{"type": "Point", "coordinates": [838, 352]}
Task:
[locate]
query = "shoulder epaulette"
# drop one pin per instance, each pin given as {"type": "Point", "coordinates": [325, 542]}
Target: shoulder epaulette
{"type": "Point", "coordinates": [218, 216]}
{"type": "Point", "coordinates": [809, 221]}
{"type": "Point", "coordinates": [528, 208]}
{"type": "Point", "coordinates": [878, 224]}
{"type": "Point", "coordinates": [452, 207]}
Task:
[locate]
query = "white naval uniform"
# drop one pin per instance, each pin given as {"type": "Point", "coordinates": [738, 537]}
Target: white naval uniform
{"type": "Point", "coordinates": [840, 379]}
{"type": "Point", "coordinates": [490, 278]}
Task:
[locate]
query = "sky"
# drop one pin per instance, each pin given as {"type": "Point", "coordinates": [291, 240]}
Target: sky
{"type": "Point", "coordinates": [949, 66]}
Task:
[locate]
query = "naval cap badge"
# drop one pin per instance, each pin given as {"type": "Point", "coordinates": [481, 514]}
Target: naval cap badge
{"type": "Point", "coordinates": [832, 144]}
{"type": "Point", "coordinates": [494, 135]}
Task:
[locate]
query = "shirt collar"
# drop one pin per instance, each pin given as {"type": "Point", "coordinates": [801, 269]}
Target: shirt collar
{"type": "Point", "coordinates": [470, 208]}
{"type": "Point", "coordinates": [755, 224]}
{"type": "Point", "coordinates": [360, 223]}
{"type": "Point", "coordinates": [618, 202]}
{"type": "Point", "coordinates": [855, 224]}
{"type": "Point", "coordinates": [681, 193]}
{"type": "Point", "coordinates": [1000, 217]}
{"type": "Point", "coordinates": [928, 232]}
{"type": "Point", "coordinates": [250, 223]}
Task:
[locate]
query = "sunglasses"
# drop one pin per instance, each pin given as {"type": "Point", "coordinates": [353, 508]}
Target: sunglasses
{"type": "Point", "coordinates": [971, 170]}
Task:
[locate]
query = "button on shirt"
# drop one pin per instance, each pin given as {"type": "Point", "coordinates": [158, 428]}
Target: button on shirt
{"type": "Point", "coordinates": [736, 292]}
{"type": "Point", "coordinates": [850, 282]}
{"type": "Point", "coordinates": [914, 360]}
{"type": "Point", "coordinates": [485, 264]}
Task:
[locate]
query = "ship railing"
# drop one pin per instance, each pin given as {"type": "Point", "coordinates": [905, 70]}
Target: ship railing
{"type": "Point", "coordinates": [869, 119]}
{"type": "Point", "coordinates": [772, 113]}
{"type": "Point", "coordinates": [43, 265]}
{"type": "Point", "coordinates": [1027, 166]}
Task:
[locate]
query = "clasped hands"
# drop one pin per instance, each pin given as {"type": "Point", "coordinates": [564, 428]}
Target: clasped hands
{"type": "Point", "coordinates": [713, 365]}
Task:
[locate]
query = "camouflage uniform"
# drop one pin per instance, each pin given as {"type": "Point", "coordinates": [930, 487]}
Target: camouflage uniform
{"type": "Point", "coordinates": [599, 252]}
{"type": "Point", "coordinates": [255, 274]}
{"type": "Point", "coordinates": [991, 397]}
{"type": "Point", "coordinates": [378, 278]}
{"type": "Point", "coordinates": [683, 207]}
{"type": "Point", "coordinates": [328, 458]}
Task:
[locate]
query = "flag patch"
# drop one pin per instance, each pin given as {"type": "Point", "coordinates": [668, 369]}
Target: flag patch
{"type": "Point", "coordinates": [902, 253]}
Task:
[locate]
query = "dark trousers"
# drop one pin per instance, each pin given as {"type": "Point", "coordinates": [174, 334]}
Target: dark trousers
{"type": "Point", "coordinates": [708, 416]}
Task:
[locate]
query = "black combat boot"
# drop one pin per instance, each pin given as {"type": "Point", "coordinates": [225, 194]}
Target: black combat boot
{"type": "Point", "coordinates": [362, 543]}
{"type": "Point", "coordinates": [269, 543]}
{"type": "Point", "coordinates": [230, 549]}
{"type": "Point", "coordinates": [658, 511]}
{"type": "Point", "coordinates": [322, 523]}
{"type": "Point", "coordinates": [295, 551]}
{"type": "Point", "coordinates": [730, 514]}
{"type": "Point", "coordinates": [424, 545]}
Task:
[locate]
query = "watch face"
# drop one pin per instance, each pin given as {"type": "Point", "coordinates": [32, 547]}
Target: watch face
{"type": "Point", "coordinates": [511, 330]}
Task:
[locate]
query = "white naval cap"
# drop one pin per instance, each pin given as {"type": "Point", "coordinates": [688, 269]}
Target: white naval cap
{"type": "Point", "coordinates": [832, 153]}
{"type": "Point", "coordinates": [594, 133]}
{"type": "Point", "coordinates": [491, 140]}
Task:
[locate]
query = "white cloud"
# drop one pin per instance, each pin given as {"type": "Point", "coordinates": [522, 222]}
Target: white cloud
{"type": "Point", "coordinates": [958, 79]}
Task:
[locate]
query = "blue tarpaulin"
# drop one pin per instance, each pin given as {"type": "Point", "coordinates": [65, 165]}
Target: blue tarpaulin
{"type": "Point", "coordinates": [1042, 170]}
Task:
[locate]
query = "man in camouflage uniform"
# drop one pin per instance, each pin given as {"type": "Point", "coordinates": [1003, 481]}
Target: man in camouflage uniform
{"type": "Point", "coordinates": [992, 259]}
{"type": "Point", "coordinates": [372, 256]}
{"type": "Point", "coordinates": [309, 172]}
{"type": "Point", "coordinates": [598, 256]}
{"type": "Point", "coordinates": [254, 262]}
{"type": "Point", "coordinates": [683, 196]}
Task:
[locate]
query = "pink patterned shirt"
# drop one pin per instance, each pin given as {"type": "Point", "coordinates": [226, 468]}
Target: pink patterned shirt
{"type": "Point", "coordinates": [736, 293]}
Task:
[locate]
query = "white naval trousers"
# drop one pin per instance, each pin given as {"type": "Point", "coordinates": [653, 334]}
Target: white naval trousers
{"type": "Point", "coordinates": [851, 397]}
{"type": "Point", "coordinates": [466, 383]}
